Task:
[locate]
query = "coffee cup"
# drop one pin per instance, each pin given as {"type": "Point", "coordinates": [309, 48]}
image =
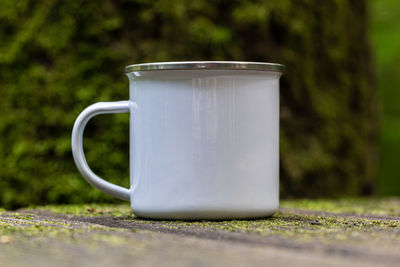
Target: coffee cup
{"type": "Point", "coordinates": [204, 140]}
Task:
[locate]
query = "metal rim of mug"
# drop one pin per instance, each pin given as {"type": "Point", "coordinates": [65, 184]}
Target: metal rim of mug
{"type": "Point", "coordinates": [201, 65]}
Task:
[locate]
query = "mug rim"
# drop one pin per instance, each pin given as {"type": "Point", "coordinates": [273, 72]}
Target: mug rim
{"type": "Point", "coordinates": [204, 65]}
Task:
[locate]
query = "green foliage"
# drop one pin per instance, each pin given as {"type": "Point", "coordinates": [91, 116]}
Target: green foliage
{"type": "Point", "coordinates": [386, 40]}
{"type": "Point", "coordinates": [57, 57]}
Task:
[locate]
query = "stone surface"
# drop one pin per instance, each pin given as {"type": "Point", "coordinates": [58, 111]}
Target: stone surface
{"type": "Point", "coordinates": [346, 232]}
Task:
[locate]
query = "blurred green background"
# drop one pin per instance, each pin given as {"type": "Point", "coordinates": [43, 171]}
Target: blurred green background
{"type": "Point", "coordinates": [385, 29]}
{"type": "Point", "coordinates": [57, 57]}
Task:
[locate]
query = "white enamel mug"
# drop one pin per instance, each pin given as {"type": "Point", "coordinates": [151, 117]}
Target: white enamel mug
{"type": "Point", "coordinates": [204, 140]}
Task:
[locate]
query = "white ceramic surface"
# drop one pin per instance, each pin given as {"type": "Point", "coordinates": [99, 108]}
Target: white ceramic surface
{"type": "Point", "coordinates": [204, 144]}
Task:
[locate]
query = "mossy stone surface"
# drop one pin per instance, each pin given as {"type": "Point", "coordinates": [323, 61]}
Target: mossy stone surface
{"type": "Point", "coordinates": [329, 232]}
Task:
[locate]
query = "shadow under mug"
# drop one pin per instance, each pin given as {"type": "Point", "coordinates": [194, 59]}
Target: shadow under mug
{"type": "Point", "coordinates": [204, 140]}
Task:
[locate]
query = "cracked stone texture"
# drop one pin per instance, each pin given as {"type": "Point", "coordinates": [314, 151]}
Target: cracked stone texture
{"type": "Point", "coordinates": [345, 232]}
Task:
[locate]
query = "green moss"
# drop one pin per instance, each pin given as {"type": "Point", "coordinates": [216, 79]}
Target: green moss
{"type": "Point", "coordinates": [297, 227]}
{"type": "Point", "coordinates": [121, 210]}
{"type": "Point", "coordinates": [31, 228]}
{"type": "Point", "coordinates": [286, 224]}
{"type": "Point", "coordinates": [357, 206]}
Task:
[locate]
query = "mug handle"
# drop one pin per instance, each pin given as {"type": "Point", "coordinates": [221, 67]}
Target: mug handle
{"type": "Point", "coordinates": [77, 146]}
